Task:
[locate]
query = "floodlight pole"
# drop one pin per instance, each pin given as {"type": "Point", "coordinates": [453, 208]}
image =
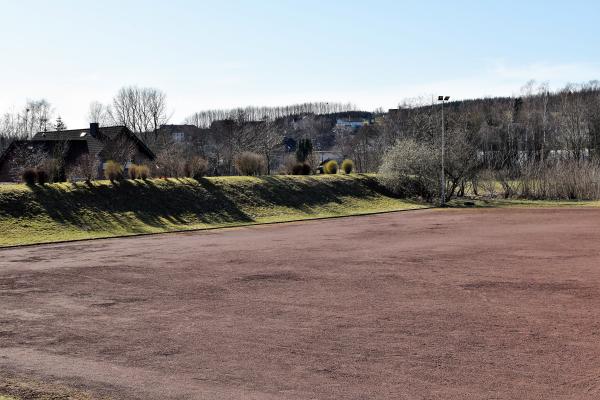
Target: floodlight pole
{"type": "Point", "coordinates": [443, 99]}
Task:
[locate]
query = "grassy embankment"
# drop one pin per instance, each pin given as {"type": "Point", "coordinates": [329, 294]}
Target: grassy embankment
{"type": "Point", "coordinates": [66, 211]}
{"type": "Point", "coordinates": [15, 389]}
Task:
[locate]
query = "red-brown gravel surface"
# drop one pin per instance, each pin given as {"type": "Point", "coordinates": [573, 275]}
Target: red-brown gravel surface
{"type": "Point", "coordinates": [430, 304]}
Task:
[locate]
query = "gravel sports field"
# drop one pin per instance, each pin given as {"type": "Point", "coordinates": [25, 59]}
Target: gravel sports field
{"type": "Point", "coordinates": [428, 304]}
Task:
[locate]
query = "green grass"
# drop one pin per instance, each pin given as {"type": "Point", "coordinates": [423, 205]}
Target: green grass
{"type": "Point", "coordinates": [66, 211]}
{"type": "Point", "coordinates": [7, 398]}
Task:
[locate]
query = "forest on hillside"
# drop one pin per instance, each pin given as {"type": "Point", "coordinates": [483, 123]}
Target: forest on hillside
{"type": "Point", "coordinates": [494, 137]}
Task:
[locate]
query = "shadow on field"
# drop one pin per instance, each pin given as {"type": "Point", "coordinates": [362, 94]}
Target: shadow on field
{"type": "Point", "coordinates": [131, 204]}
{"type": "Point", "coordinates": [135, 205]}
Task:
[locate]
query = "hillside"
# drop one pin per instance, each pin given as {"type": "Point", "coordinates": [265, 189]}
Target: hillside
{"type": "Point", "coordinates": [69, 211]}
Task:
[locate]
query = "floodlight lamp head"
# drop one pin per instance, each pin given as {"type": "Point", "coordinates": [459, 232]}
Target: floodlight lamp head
{"type": "Point", "coordinates": [440, 98]}
{"type": "Point", "coordinates": [447, 98]}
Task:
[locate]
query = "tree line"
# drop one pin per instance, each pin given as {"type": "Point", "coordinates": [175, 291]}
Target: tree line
{"type": "Point", "coordinates": [501, 137]}
{"type": "Point", "coordinates": [204, 119]}
{"type": "Point", "coordinates": [533, 145]}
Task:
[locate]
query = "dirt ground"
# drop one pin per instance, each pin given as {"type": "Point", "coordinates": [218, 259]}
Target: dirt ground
{"type": "Point", "coordinates": [430, 304]}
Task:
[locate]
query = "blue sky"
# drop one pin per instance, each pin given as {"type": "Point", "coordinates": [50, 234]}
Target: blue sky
{"type": "Point", "coordinates": [221, 54]}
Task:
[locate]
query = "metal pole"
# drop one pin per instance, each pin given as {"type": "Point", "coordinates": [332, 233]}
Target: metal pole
{"type": "Point", "coordinates": [442, 178]}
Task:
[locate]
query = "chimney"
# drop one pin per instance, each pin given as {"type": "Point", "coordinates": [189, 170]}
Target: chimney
{"type": "Point", "coordinates": [94, 128]}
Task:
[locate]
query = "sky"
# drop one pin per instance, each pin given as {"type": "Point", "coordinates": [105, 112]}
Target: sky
{"type": "Point", "coordinates": [225, 54]}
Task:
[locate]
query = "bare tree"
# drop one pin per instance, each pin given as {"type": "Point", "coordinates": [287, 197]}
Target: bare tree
{"type": "Point", "coordinates": [100, 114]}
{"type": "Point", "coordinates": [574, 126]}
{"type": "Point", "coordinates": [142, 110]}
{"type": "Point", "coordinates": [11, 126]}
{"type": "Point", "coordinates": [244, 132]}
{"type": "Point", "coordinates": [86, 167]}
{"type": "Point", "coordinates": [120, 149]}
{"type": "Point", "coordinates": [269, 139]}
{"type": "Point", "coordinates": [26, 157]}
{"type": "Point", "coordinates": [171, 161]}
{"type": "Point", "coordinates": [364, 149]}
{"type": "Point", "coordinates": [156, 106]}
{"type": "Point", "coordinates": [221, 147]}
{"type": "Point", "coordinates": [35, 116]}
{"type": "Point", "coordinates": [38, 114]}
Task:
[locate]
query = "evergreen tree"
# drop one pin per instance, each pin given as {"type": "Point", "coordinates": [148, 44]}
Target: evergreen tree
{"type": "Point", "coordinates": [304, 149]}
{"type": "Point", "coordinates": [60, 125]}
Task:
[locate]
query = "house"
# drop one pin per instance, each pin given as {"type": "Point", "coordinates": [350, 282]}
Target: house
{"type": "Point", "coordinates": [104, 143]}
{"type": "Point", "coordinates": [182, 133]}
{"type": "Point", "coordinates": [351, 123]}
{"type": "Point", "coordinates": [324, 156]}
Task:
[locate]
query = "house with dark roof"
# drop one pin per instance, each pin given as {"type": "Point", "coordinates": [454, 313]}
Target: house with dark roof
{"type": "Point", "coordinates": [70, 145]}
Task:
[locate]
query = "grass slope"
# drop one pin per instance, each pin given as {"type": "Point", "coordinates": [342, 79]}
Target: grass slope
{"type": "Point", "coordinates": [67, 211]}
{"type": "Point", "coordinates": [26, 389]}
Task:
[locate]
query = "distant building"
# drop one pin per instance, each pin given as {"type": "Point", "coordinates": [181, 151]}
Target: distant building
{"type": "Point", "coordinates": [182, 133]}
{"type": "Point", "coordinates": [351, 123]}
{"type": "Point", "coordinates": [73, 143]}
{"type": "Point", "coordinates": [324, 156]}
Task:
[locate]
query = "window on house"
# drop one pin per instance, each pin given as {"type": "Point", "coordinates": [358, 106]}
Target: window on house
{"type": "Point", "coordinates": [178, 136]}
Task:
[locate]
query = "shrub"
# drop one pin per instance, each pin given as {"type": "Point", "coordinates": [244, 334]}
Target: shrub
{"type": "Point", "coordinates": [301, 169]}
{"type": "Point", "coordinates": [411, 168]}
{"type": "Point", "coordinates": [29, 175]}
{"type": "Point", "coordinates": [134, 172]}
{"type": "Point", "coordinates": [487, 181]}
{"type": "Point", "coordinates": [306, 169]}
{"type": "Point", "coordinates": [248, 163]}
{"type": "Point", "coordinates": [42, 176]}
{"type": "Point", "coordinates": [113, 171]}
{"type": "Point", "coordinates": [313, 161]}
{"type": "Point", "coordinates": [54, 169]}
{"type": "Point", "coordinates": [330, 167]}
{"type": "Point", "coordinates": [139, 171]}
{"type": "Point", "coordinates": [86, 167]}
{"type": "Point", "coordinates": [562, 179]}
{"type": "Point", "coordinates": [289, 162]}
{"type": "Point", "coordinates": [347, 166]}
{"type": "Point", "coordinates": [196, 167]}
{"type": "Point", "coordinates": [297, 169]}
{"type": "Point", "coordinates": [143, 172]}
{"type": "Point", "coordinates": [170, 161]}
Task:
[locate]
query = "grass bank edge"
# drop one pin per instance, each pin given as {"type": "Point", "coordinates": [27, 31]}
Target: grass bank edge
{"type": "Point", "coordinates": [520, 203]}
{"type": "Point", "coordinates": [255, 200]}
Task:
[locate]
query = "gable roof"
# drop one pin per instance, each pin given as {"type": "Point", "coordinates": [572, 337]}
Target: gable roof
{"type": "Point", "coordinates": [73, 148]}
{"type": "Point", "coordinates": [95, 144]}
{"type": "Point", "coordinates": [76, 134]}
{"type": "Point", "coordinates": [10, 148]}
